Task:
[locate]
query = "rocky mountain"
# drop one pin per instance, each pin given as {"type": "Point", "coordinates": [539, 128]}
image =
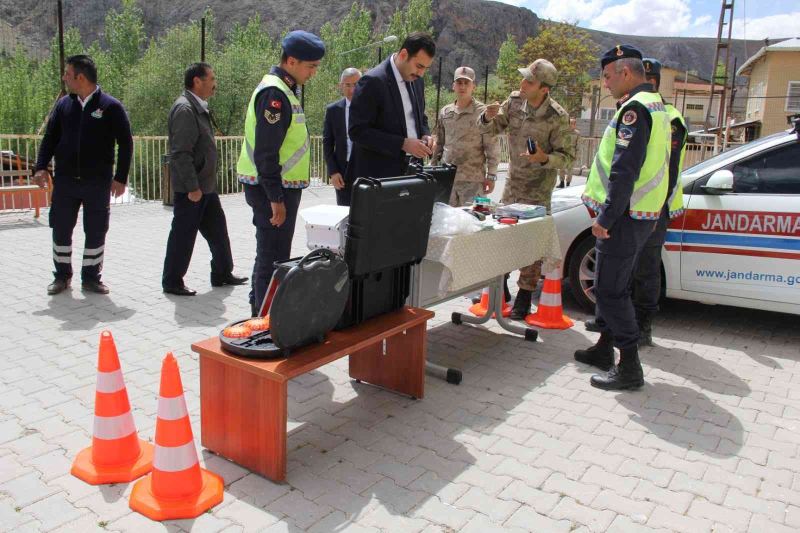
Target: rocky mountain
{"type": "Point", "coordinates": [467, 31]}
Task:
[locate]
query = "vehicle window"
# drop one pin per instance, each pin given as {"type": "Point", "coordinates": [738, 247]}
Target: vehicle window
{"type": "Point", "coordinates": [773, 172]}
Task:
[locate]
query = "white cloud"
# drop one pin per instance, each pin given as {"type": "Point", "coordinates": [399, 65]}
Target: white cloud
{"type": "Point", "coordinates": [645, 17]}
{"type": "Point", "coordinates": [772, 26]}
{"type": "Point", "coordinates": [701, 21]}
{"type": "Point", "coordinates": [582, 11]}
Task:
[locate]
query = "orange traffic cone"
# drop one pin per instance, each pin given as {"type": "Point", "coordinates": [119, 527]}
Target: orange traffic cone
{"type": "Point", "coordinates": [117, 454]}
{"type": "Point", "coordinates": [177, 487]}
{"type": "Point", "coordinates": [549, 313]}
{"type": "Point", "coordinates": [480, 308]}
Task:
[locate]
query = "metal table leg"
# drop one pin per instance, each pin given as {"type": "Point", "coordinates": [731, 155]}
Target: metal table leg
{"type": "Point", "coordinates": [496, 306]}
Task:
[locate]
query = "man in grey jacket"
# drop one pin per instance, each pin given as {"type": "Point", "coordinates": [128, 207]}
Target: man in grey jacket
{"type": "Point", "coordinates": [193, 171]}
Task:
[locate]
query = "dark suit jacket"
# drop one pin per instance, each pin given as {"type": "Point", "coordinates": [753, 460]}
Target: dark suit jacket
{"type": "Point", "coordinates": [378, 124]}
{"type": "Point", "coordinates": [334, 138]}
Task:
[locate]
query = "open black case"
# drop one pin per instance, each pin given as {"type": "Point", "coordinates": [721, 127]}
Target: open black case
{"type": "Point", "coordinates": [304, 300]}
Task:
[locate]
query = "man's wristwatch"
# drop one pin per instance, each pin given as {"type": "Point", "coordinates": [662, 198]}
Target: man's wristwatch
{"type": "Point", "coordinates": [491, 177]}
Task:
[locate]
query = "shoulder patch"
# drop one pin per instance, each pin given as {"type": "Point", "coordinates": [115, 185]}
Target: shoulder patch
{"type": "Point", "coordinates": [275, 104]}
{"type": "Point", "coordinates": [558, 108]}
{"type": "Point", "coordinates": [629, 117]}
{"type": "Point", "coordinates": [272, 118]}
{"type": "Point", "coordinates": [625, 133]}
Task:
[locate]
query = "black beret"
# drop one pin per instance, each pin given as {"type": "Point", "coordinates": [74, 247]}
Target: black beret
{"type": "Point", "coordinates": [652, 67]}
{"type": "Point", "coordinates": [621, 51]}
{"type": "Point", "coordinates": [303, 45]}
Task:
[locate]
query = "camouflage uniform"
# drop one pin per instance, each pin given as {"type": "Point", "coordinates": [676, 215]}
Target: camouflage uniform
{"type": "Point", "coordinates": [459, 141]}
{"type": "Point", "coordinates": [532, 183]}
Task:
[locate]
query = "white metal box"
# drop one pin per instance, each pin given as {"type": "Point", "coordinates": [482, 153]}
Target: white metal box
{"type": "Point", "coordinates": [326, 226]}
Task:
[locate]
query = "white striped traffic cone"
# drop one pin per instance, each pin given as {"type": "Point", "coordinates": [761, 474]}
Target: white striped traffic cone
{"type": "Point", "coordinates": [549, 312]}
{"type": "Point", "coordinates": [177, 487]}
{"type": "Point", "coordinates": [117, 454]}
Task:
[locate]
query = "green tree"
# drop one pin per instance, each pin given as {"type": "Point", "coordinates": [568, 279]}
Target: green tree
{"type": "Point", "coordinates": [508, 61]}
{"type": "Point", "coordinates": [124, 39]}
{"type": "Point", "coordinates": [239, 65]}
{"type": "Point", "coordinates": [572, 52]}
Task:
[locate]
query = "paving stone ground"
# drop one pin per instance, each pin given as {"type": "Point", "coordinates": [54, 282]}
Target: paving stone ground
{"type": "Point", "coordinates": [523, 444]}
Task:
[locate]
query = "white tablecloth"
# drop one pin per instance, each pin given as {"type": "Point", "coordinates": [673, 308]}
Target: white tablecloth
{"type": "Point", "coordinates": [476, 257]}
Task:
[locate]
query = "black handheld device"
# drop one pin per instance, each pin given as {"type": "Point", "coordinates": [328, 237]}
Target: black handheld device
{"type": "Point", "coordinates": [531, 146]}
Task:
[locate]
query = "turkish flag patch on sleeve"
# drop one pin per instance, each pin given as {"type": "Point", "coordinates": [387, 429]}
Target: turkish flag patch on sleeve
{"type": "Point", "coordinates": [275, 104]}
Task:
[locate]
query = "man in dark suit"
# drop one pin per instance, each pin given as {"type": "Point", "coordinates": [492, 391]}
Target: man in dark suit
{"type": "Point", "coordinates": [388, 125]}
{"type": "Point", "coordinates": [336, 144]}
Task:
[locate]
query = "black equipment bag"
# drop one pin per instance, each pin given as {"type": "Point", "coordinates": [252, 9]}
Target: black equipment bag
{"type": "Point", "coordinates": [307, 297]}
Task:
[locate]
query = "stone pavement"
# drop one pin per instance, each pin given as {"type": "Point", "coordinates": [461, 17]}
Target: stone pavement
{"type": "Point", "coordinates": [523, 444]}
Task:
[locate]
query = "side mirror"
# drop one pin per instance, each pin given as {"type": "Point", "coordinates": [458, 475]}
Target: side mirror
{"type": "Point", "coordinates": [720, 182]}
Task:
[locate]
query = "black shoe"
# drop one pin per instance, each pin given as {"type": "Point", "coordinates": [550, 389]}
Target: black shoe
{"type": "Point", "coordinates": [522, 305]}
{"type": "Point", "coordinates": [95, 286]}
{"type": "Point", "coordinates": [230, 279]}
{"type": "Point", "coordinates": [183, 290]}
{"type": "Point", "coordinates": [58, 286]}
{"type": "Point", "coordinates": [560, 184]}
{"type": "Point", "coordinates": [626, 375]}
{"type": "Point", "coordinates": [601, 355]}
{"type": "Point", "coordinates": [591, 325]}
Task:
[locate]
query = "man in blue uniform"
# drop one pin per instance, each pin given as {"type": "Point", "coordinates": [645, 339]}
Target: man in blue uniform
{"type": "Point", "coordinates": [647, 274]}
{"type": "Point", "coordinates": [627, 189]}
{"type": "Point", "coordinates": [274, 164]}
{"type": "Point", "coordinates": [82, 132]}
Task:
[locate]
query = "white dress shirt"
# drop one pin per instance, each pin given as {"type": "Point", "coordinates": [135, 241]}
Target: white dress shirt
{"type": "Point", "coordinates": [347, 127]}
{"type": "Point", "coordinates": [408, 106]}
{"type": "Point", "coordinates": [202, 102]}
{"type": "Point", "coordinates": [84, 102]}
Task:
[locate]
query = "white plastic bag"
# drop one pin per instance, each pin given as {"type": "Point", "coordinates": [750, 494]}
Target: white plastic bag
{"type": "Point", "coordinates": [448, 220]}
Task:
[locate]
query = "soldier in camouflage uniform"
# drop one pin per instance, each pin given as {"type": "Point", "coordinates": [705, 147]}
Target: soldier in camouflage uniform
{"type": "Point", "coordinates": [530, 112]}
{"type": "Point", "coordinates": [460, 142]}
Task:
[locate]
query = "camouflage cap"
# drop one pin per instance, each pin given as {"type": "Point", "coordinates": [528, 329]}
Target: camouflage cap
{"type": "Point", "coordinates": [464, 73]}
{"type": "Point", "coordinates": [541, 70]}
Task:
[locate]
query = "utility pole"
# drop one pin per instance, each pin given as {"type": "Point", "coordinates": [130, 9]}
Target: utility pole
{"type": "Point", "coordinates": [722, 49]}
{"type": "Point", "coordinates": [595, 94]}
{"type": "Point", "coordinates": [729, 108]}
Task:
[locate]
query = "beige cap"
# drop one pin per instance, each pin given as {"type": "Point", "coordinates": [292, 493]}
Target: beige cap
{"type": "Point", "coordinates": [541, 70]}
{"type": "Point", "coordinates": [464, 73]}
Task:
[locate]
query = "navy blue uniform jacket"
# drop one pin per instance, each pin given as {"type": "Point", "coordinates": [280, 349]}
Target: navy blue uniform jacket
{"type": "Point", "coordinates": [378, 124]}
{"type": "Point", "coordinates": [82, 140]}
{"type": "Point", "coordinates": [334, 138]}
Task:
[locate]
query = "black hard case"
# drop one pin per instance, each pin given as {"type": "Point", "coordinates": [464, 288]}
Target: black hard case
{"type": "Point", "coordinates": [304, 301]}
{"type": "Point", "coordinates": [389, 223]}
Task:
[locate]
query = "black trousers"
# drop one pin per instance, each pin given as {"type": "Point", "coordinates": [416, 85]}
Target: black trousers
{"type": "Point", "coordinates": [616, 258]}
{"type": "Point", "coordinates": [69, 194]}
{"type": "Point", "coordinates": [272, 244]}
{"type": "Point", "coordinates": [647, 274]}
{"type": "Point", "coordinates": [207, 217]}
{"type": "Point", "coordinates": [343, 196]}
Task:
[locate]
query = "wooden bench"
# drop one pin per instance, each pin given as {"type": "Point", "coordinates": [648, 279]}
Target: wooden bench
{"type": "Point", "coordinates": [243, 402]}
{"type": "Point", "coordinates": [34, 191]}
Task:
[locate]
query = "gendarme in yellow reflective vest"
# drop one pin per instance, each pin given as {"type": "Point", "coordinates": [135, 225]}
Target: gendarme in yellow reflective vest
{"type": "Point", "coordinates": [650, 188]}
{"type": "Point", "coordinates": [676, 197]}
{"type": "Point", "coordinates": [294, 156]}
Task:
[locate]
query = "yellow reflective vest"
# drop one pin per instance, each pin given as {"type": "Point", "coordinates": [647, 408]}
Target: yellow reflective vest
{"type": "Point", "coordinates": [650, 187]}
{"type": "Point", "coordinates": [294, 155]}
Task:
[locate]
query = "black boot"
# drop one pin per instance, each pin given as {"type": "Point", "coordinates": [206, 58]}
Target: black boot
{"type": "Point", "coordinates": [522, 305]}
{"type": "Point", "coordinates": [627, 374]}
{"type": "Point", "coordinates": [601, 355]}
{"type": "Point", "coordinates": [592, 325]}
{"type": "Point", "coordinates": [645, 331]}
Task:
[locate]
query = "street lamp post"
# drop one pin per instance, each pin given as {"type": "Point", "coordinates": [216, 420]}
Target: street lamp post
{"type": "Point", "coordinates": [386, 40]}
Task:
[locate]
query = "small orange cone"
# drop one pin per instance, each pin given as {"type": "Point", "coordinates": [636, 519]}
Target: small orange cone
{"type": "Point", "coordinates": [480, 308]}
{"type": "Point", "coordinates": [117, 454]}
{"type": "Point", "coordinates": [549, 313]}
{"type": "Point", "coordinates": [177, 487]}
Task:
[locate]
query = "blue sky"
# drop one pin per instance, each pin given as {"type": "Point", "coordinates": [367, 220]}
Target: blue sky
{"type": "Point", "coordinates": [753, 19]}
